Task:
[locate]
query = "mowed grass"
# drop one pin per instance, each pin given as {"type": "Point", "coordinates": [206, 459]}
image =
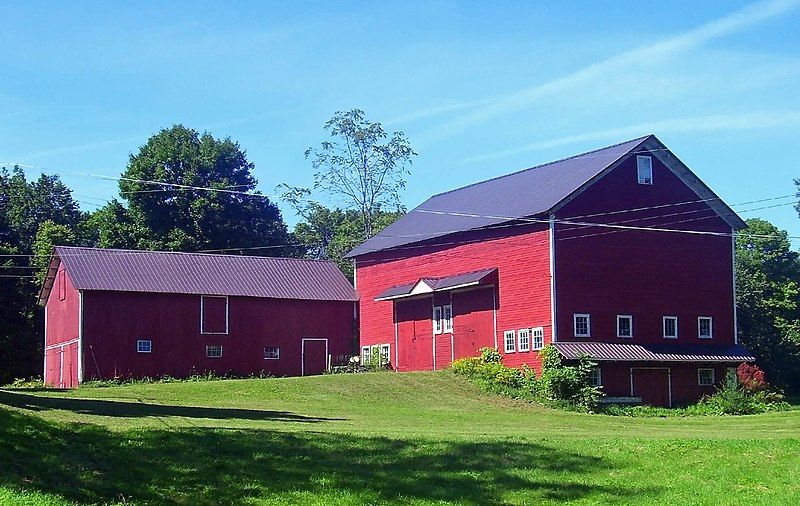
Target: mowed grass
{"type": "Point", "coordinates": [416, 438]}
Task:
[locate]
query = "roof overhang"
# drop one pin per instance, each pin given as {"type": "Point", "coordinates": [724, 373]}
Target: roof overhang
{"type": "Point", "coordinates": [619, 352]}
{"type": "Point", "coordinates": [49, 279]}
{"type": "Point", "coordinates": [428, 285]}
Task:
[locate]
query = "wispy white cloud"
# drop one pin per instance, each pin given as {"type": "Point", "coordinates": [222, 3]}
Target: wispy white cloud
{"type": "Point", "coordinates": [78, 148]}
{"type": "Point", "coordinates": [747, 17]}
{"type": "Point", "coordinates": [695, 124]}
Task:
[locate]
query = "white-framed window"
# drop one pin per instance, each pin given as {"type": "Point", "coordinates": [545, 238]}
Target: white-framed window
{"type": "Point", "coordinates": [524, 339]}
{"type": "Point", "coordinates": [582, 325]}
{"type": "Point", "coordinates": [644, 169]}
{"type": "Point", "coordinates": [537, 338]}
{"type": "Point", "coordinates": [447, 318]}
{"type": "Point", "coordinates": [705, 327]}
{"type": "Point", "coordinates": [705, 377]}
{"type": "Point", "coordinates": [365, 354]}
{"type": "Point", "coordinates": [272, 352]}
{"type": "Point", "coordinates": [510, 341]}
{"type": "Point", "coordinates": [437, 319]}
{"type": "Point", "coordinates": [213, 314]}
{"type": "Point", "coordinates": [385, 356]}
{"type": "Point", "coordinates": [670, 327]}
{"type": "Point", "coordinates": [595, 377]}
{"type": "Point", "coordinates": [144, 346]}
{"type": "Point", "coordinates": [624, 325]}
{"type": "Point", "coordinates": [214, 351]}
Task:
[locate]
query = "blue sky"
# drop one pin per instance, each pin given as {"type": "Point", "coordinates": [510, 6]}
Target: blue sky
{"type": "Point", "coordinates": [480, 90]}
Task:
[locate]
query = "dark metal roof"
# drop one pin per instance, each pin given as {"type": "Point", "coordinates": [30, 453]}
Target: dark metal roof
{"type": "Point", "coordinates": [653, 352]}
{"type": "Point", "coordinates": [197, 273]}
{"type": "Point", "coordinates": [525, 193]}
{"type": "Point", "coordinates": [438, 284]}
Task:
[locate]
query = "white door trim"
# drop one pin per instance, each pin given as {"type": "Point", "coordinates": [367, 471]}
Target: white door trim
{"type": "Point", "coordinates": [303, 352]}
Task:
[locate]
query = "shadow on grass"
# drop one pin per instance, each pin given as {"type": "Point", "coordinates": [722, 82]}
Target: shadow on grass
{"type": "Point", "coordinates": [88, 463]}
{"type": "Point", "coordinates": [138, 409]}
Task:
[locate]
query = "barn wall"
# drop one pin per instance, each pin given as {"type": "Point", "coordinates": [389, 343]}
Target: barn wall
{"type": "Point", "coordinates": [61, 333]}
{"type": "Point", "coordinates": [114, 321]}
{"type": "Point", "coordinates": [521, 254]}
{"type": "Point", "coordinates": [646, 274]}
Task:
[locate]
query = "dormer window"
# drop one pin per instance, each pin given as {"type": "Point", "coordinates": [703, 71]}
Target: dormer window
{"type": "Point", "coordinates": [644, 169]}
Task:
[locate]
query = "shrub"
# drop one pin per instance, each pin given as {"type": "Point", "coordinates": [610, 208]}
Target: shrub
{"type": "Point", "coordinates": [751, 378]}
{"type": "Point", "coordinates": [490, 355]}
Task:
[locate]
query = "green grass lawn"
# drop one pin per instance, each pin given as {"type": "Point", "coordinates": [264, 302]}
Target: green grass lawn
{"type": "Point", "coordinates": [416, 438]}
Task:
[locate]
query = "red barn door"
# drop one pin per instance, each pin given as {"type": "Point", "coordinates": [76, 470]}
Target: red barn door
{"type": "Point", "coordinates": [652, 385]}
{"type": "Point", "coordinates": [473, 322]}
{"type": "Point", "coordinates": [414, 335]}
{"type": "Point", "coordinates": [314, 356]}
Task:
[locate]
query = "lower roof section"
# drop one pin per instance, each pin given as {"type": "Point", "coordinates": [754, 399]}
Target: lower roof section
{"type": "Point", "coordinates": [603, 352]}
{"type": "Point", "coordinates": [430, 284]}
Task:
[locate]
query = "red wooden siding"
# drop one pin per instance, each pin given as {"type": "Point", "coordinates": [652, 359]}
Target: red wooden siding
{"type": "Point", "coordinates": [606, 272]}
{"type": "Point", "coordinates": [522, 295]}
{"type": "Point", "coordinates": [62, 330]}
{"type": "Point", "coordinates": [114, 321]}
{"type": "Point", "coordinates": [214, 314]}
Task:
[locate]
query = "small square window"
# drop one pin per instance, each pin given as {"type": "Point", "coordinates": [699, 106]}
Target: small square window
{"type": "Point", "coordinates": [705, 377]}
{"type": "Point", "coordinates": [537, 335]}
{"type": "Point", "coordinates": [524, 338]}
{"type": "Point", "coordinates": [144, 346]}
{"type": "Point", "coordinates": [595, 378]}
{"type": "Point", "coordinates": [214, 351]}
{"type": "Point", "coordinates": [644, 169]}
{"type": "Point", "coordinates": [582, 325]}
{"type": "Point", "coordinates": [437, 320]}
{"type": "Point", "coordinates": [705, 327]}
{"type": "Point", "coordinates": [510, 341]}
{"type": "Point", "coordinates": [670, 326]}
{"type": "Point", "coordinates": [272, 352]}
{"type": "Point", "coordinates": [624, 325]}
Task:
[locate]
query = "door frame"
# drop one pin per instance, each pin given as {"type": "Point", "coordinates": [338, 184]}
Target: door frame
{"type": "Point", "coordinates": [303, 353]}
{"type": "Point", "coordinates": [669, 379]}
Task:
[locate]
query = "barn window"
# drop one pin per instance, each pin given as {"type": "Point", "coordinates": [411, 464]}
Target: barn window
{"type": "Point", "coordinates": [272, 352]}
{"type": "Point", "coordinates": [214, 351]}
{"type": "Point", "coordinates": [595, 377]}
{"type": "Point", "coordinates": [384, 354]}
{"type": "Point", "coordinates": [524, 337]}
{"type": "Point", "coordinates": [447, 318]}
{"type": "Point", "coordinates": [644, 169]}
{"type": "Point", "coordinates": [365, 354]}
{"type": "Point", "coordinates": [670, 324]}
{"type": "Point", "coordinates": [213, 315]}
{"type": "Point", "coordinates": [582, 325]}
{"type": "Point", "coordinates": [705, 377]}
{"type": "Point", "coordinates": [144, 346]}
{"type": "Point", "coordinates": [624, 325]}
{"type": "Point", "coordinates": [537, 335]}
{"type": "Point", "coordinates": [437, 319]}
{"type": "Point", "coordinates": [510, 341]}
{"type": "Point", "coordinates": [62, 285]}
{"type": "Point", "coordinates": [704, 327]}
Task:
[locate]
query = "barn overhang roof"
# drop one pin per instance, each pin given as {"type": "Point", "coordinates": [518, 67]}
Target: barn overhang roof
{"type": "Point", "coordinates": [429, 285]}
{"type": "Point", "coordinates": [616, 352]}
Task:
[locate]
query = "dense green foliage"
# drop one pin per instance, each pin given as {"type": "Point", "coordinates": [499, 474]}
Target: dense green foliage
{"type": "Point", "coordinates": [373, 439]}
{"type": "Point", "coordinates": [768, 301]}
{"type": "Point", "coordinates": [559, 385]}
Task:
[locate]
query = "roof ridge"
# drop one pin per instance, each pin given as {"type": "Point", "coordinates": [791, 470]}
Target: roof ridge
{"type": "Point", "coordinates": [642, 138]}
{"type": "Point", "coordinates": [193, 253]}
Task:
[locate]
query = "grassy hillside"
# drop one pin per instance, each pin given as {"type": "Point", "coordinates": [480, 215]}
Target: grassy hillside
{"type": "Point", "coordinates": [421, 438]}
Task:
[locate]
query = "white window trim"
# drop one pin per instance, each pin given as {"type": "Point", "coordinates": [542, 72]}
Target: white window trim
{"type": "Point", "coordinates": [227, 314]}
{"type": "Point", "coordinates": [534, 331]}
{"type": "Point", "coordinates": [710, 327]}
{"type": "Point", "coordinates": [599, 377]}
{"type": "Point", "coordinates": [625, 317]}
{"type": "Point", "coordinates": [388, 352]}
{"type": "Point", "coordinates": [275, 348]}
{"type": "Point", "coordinates": [138, 343]}
{"type": "Point", "coordinates": [664, 327]}
{"type": "Point", "coordinates": [575, 317]}
{"type": "Point", "coordinates": [513, 335]}
{"type": "Point", "coordinates": [437, 320]}
{"type": "Point", "coordinates": [208, 349]}
{"type": "Point", "coordinates": [638, 177]}
{"type": "Point", "coordinates": [365, 354]}
{"type": "Point", "coordinates": [519, 340]}
{"type": "Point", "coordinates": [713, 377]}
{"type": "Point", "coordinates": [447, 320]}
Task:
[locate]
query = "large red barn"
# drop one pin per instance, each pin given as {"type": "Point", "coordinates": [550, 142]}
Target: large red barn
{"type": "Point", "coordinates": [622, 254]}
{"type": "Point", "coordinates": [120, 313]}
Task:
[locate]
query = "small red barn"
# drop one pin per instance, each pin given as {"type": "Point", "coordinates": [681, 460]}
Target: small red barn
{"type": "Point", "coordinates": [622, 254]}
{"type": "Point", "coordinates": [120, 313]}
